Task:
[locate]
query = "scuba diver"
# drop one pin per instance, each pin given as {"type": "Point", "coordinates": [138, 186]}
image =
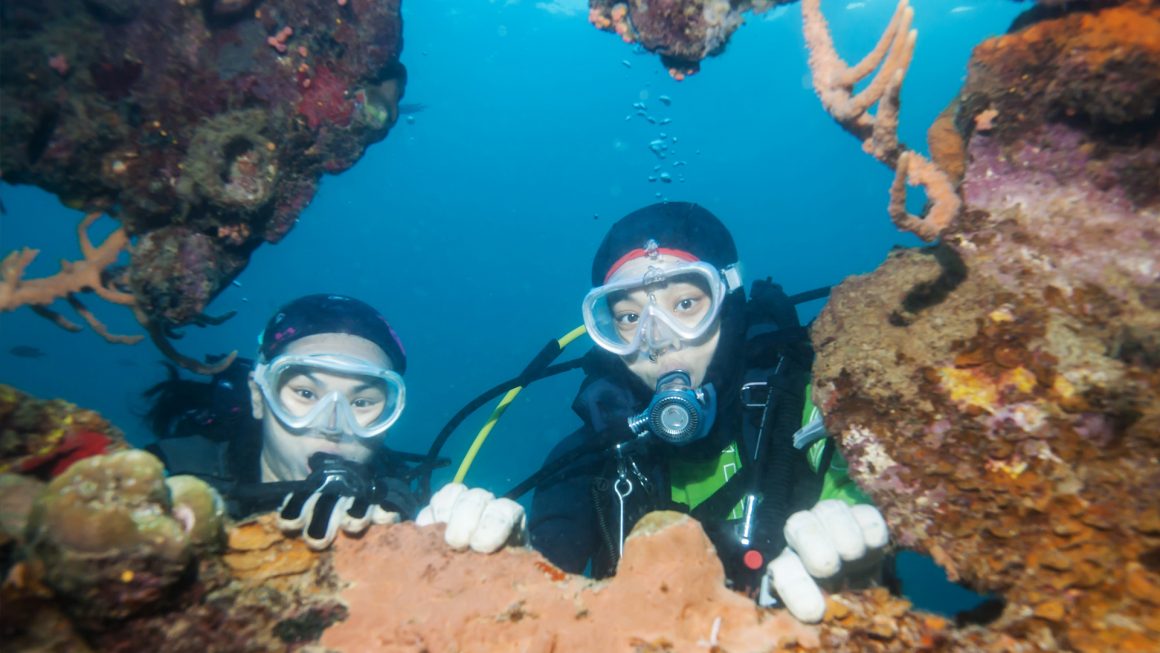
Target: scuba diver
{"type": "Point", "coordinates": [698, 400]}
{"type": "Point", "coordinates": [301, 431]}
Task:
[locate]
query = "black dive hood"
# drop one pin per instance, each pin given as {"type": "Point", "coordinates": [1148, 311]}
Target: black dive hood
{"type": "Point", "coordinates": [673, 225]}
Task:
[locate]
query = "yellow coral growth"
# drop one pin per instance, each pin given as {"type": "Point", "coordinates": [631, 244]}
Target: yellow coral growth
{"type": "Point", "coordinates": [1020, 378]}
{"type": "Point", "coordinates": [974, 387]}
{"type": "Point", "coordinates": [969, 387]}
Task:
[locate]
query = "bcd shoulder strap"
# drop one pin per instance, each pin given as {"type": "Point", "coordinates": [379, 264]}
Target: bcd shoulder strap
{"type": "Point", "coordinates": [779, 357]}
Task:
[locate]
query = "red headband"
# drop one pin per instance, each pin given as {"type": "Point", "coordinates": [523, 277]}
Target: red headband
{"type": "Point", "coordinates": [637, 253]}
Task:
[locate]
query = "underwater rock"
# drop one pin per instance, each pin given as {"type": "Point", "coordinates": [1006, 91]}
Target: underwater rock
{"type": "Point", "coordinates": [178, 271]}
{"type": "Point", "coordinates": [682, 32]}
{"type": "Point", "coordinates": [998, 394]}
{"type": "Point", "coordinates": [217, 117]}
{"type": "Point", "coordinates": [668, 594]}
{"type": "Point", "coordinates": [230, 162]}
{"type": "Point", "coordinates": [394, 588]}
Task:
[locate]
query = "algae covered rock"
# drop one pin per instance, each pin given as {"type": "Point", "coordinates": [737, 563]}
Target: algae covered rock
{"type": "Point", "coordinates": [105, 537]}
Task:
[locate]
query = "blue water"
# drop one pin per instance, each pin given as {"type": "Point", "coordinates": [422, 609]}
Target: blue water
{"type": "Point", "coordinates": [472, 227]}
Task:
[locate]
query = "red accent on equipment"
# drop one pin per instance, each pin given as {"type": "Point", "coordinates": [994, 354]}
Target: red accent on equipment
{"type": "Point", "coordinates": [637, 253]}
{"type": "Point", "coordinates": [753, 559]}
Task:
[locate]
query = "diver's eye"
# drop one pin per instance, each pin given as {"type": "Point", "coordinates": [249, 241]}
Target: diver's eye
{"type": "Point", "coordinates": [305, 393]}
{"type": "Point", "coordinates": [627, 319]}
{"type": "Point", "coordinates": [686, 305]}
{"type": "Point", "coordinates": [363, 402]}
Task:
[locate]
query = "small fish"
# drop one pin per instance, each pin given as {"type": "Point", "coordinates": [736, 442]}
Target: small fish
{"type": "Point", "coordinates": [626, 63]}
{"type": "Point", "coordinates": [665, 100]}
{"type": "Point", "coordinates": [236, 283]}
{"type": "Point", "coordinates": [407, 108]}
{"type": "Point", "coordinates": [26, 351]}
{"type": "Point", "coordinates": [961, 9]}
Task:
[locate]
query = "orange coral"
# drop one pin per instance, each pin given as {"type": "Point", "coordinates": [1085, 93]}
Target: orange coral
{"type": "Point", "coordinates": [89, 274]}
{"type": "Point", "coordinates": [613, 20]}
{"type": "Point", "coordinates": [552, 571]}
{"type": "Point", "coordinates": [834, 82]}
{"type": "Point", "coordinates": [74, 277]}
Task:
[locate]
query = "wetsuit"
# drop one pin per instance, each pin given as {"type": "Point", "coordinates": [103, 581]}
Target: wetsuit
{"type": "Point", "coordinates": [575, 514]}
{"type": "Point", "coordinates": [232, 467]}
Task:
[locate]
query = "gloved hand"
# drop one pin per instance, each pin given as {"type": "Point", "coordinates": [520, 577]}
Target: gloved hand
{"type": "Point", "coordinates": [830, 539]}
{"type": "Point", "coordinates": [337, 494]}
{"type": "Point", "coordinates": [474, 518]}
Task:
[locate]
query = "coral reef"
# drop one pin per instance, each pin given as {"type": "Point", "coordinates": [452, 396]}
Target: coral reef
{"type": "Point", "coordinates": [103, 534]}
{"type": "Point", "coordinates": [998, 395]}
{"type": "Point", "coordinates": [403, 589]}
{"type": "Point", "coordinates": [834, 80]}
{"type": "Point", "coordinates": [199, 509]}
{"type": "Point", "coordinates": [113, 556]}
{"type": "Point", "coordinates": [682, 32]}
{"type": "Point", "coordinates": [202, 126]}
{"type": "Point", "coordinates": [43, 438]}
{"type": "Point", "coordinates": [87, 274]}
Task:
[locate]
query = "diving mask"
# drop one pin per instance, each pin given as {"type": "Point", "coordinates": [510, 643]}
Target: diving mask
{"type": "Point", "coordinates": [331, 393]}
{"type": "Point", "coordinates": [663, 307]}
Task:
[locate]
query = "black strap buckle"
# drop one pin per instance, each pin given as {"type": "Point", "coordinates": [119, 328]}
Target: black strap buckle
{"type": "Point", "coordinates": [755, 394]}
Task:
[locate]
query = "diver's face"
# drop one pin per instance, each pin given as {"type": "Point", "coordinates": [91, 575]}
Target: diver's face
{"type": "Point", "coordinates": [285, 451]}
{"type": "Point", "coordinates": [687, 302]}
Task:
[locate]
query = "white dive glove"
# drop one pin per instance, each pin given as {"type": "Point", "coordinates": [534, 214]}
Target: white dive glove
{"type": "Point", "coordinates": [829, 539]}
{"type": "Point", "coordinates": [474, 518]}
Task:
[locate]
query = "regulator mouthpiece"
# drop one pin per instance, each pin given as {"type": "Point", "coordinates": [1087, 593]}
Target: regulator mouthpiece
{"type": "Point", "coordinates": [678, 413]}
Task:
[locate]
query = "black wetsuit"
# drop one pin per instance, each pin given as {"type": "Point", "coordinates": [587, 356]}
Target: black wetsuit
{"type": "Point", "coordinates": [574, 519]}
{"type": "Point", "coordinates": [232, 468]}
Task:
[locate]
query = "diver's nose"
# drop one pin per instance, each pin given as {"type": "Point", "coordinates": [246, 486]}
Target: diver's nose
{"type": "Point", "coordinates": [660, 337]}
{"type": "Point", "coordinates": [331, 425]}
